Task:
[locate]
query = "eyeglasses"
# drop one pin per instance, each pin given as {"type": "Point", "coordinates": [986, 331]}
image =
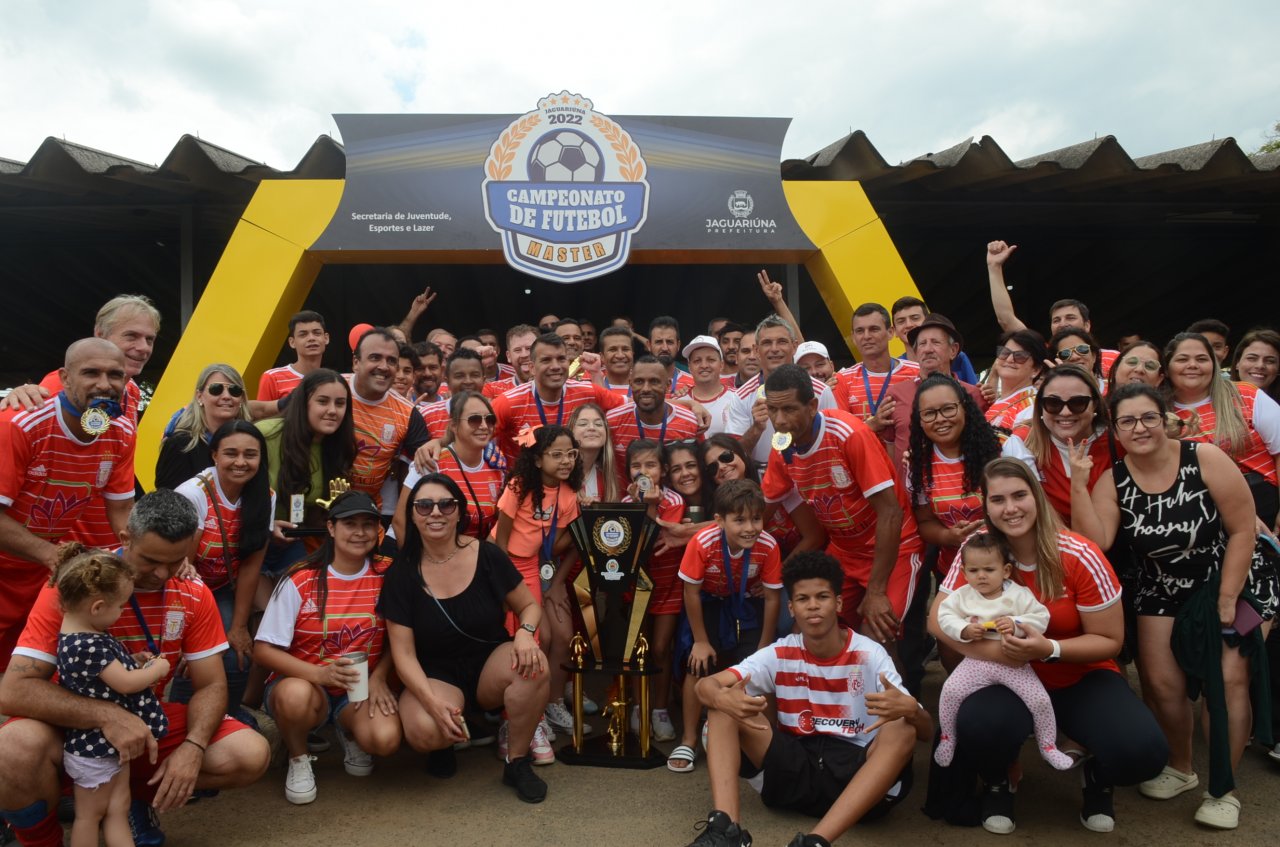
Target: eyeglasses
{"type": "Point", "coordinates": [1019, 357]}
{"type": "Point", "coordinates": [474, 421]}
{"type": "Point", "coordinates": [1079, 350]}
{"type": "Point", "coordinates": [948, 411]}
{"type": "Point", "coordinates": [215, 389]}
{"type": "Point", "coordinates": [725, 458]}
{"type": "Point", "coordinates": [1077, 404]}
{"type": "Point", "coordinates": [426, 506]}
{"type": "Point", "coordinates": [1149, 420]}
{"type": "Point", "coordinates": [562, 455]}
{"type": "Point", "coordinates": [1145, 364]}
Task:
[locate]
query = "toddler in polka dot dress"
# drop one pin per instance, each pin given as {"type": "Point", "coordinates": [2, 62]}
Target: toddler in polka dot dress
{"type": "Point", "coordinates": [93, 589]}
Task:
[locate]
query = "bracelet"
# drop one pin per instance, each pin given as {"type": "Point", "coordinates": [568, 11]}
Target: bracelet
{"type": "Point", "coordinates": [196, 744]}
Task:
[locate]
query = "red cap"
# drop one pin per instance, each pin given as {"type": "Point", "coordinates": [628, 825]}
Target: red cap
{"type": "Point", "coordinates": [356, 331]}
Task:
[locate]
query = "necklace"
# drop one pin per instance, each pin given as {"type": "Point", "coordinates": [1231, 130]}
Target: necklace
{"type": "Point", "coordinates": [445, 559]}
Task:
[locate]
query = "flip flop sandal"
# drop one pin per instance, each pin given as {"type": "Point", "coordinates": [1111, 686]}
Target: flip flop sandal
{"type": "Point", "coordinates": [683, 753]}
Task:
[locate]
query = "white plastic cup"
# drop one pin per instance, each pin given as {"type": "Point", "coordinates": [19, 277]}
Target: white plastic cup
{"type": "Point", "coordinates": [359, 691]}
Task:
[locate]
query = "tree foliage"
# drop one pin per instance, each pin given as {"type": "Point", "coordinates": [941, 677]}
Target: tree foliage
{"type": "Point", "coordinates": [1272, 144]}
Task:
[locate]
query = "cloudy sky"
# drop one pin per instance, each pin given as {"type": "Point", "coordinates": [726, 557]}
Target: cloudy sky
{"type": "Point", "coordinates": [262, 78]}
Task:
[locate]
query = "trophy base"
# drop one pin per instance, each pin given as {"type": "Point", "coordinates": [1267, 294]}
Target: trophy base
{"type": "Point", "coordinates": [596, 753]}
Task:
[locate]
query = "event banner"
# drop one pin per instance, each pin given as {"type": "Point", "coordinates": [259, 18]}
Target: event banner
{"type": "Point", "coordinates": [564, 191]}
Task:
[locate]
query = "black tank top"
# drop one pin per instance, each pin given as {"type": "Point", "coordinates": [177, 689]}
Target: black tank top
{"type": "Point", "coordinates": [1178, 529]}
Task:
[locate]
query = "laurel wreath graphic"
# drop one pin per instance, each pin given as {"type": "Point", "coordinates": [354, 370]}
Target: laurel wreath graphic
{"type": "Point", "coordinates": [504, 149]}
{"type": "Point", "coordinates": [630, 166]}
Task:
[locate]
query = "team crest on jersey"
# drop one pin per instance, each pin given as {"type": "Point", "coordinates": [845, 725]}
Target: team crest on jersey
{"type": "Point", "coordinates": [388, 433]}
{"type": "Point", "coordinates": [839, 477]}
{"type": "Point", "coordinates": [855, 680]}
{"type": "Point", "coordinates": [565, 187]}
{"type": "Point", "coordinates": [104, 472]}
{"type": "Point", "coordinates": [175, 621]}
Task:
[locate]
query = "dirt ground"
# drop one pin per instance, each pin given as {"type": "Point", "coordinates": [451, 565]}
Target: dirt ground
{"type": "Point", "coordinates": [400, 804]}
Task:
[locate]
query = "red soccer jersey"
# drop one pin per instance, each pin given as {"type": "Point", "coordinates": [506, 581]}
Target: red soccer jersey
{"type": "Point", "coordinates": [182, 620]}
{"type": "Point", "coordinates": [481, 485]}
{"type": "Point", "coordinates": [1005, 411]}
{"type": "Point", "coordinates": [92, 527]}
{"type": "Point", "coordinates": [1202, 420]}
{"type": "Point", "coordinates": [667, 597]}
{"type": "Point", "coordinates": [948, 499]}
{"type": "Point", "coordinates": [384, 429]}
{"type": "Point", "coordinates": [436, 417]}
{"type": "Point", "coordinates": [860, 391]}
{"type": "Point", "coordinates": [1055, 474]}
{"type": "Point", "coordinates": [278, 382]}
{"type": "Point", "coordinates": [625, 426]}
{"type": "Point", "coordinates": [1109, 360]}
{"type": "Point", "coordinates": [48, 480]}
{"type": "Point", "coordinates": [350, 623]}
{"type": "Point", "coordinates": [1089, 585]}
{"type": "Point", "coordinates": [521, 407]}
{"type": "Point", "coordinates": [505, 371]}
{"type": "Point", "coordinates": [680, 385]}
{"type": "Point", "coordinates": [704, 565]}
{"type": "Point", "coordinates": [210, 559]}
{"type": "Point", "coordinates": [845, 464]}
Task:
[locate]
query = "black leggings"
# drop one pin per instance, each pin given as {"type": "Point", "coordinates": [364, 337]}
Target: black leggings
{"type": "Point", "coordinates": [1100, 712]}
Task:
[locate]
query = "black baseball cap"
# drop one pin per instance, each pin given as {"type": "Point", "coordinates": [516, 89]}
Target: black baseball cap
{"type": "Point", "coordinates": [935, 319]}
{"type": "Point", "coordinates": [353, 503]}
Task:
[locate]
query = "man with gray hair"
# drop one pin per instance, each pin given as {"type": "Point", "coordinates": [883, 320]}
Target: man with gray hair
{"type": "Point", "coordinates": [747, 416]}
{"type": "Point", "coordinates": [167, 616]}
{"type": "Point", "coordinates": [74, 451]}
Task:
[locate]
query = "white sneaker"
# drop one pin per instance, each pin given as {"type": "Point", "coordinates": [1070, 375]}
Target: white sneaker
{"type": "Point", "coordinates": [300, 783]}
{"type": "Point", "coordinates": [557, 714]}
{"type": "Point", "coordinates": [589, 706]}
{"type": "Point", "coordinates": [540, 748]}
{"type": "Point", "coordinates": [661, 727]}
{"type": "Point", "coordinates": [546, 728]}
{"type": "Point", "coordinates": [354, 758]}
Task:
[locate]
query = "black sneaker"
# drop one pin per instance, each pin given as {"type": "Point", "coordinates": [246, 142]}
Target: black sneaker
{"type": "Point", "coordinates": [719, 831]}
{"type": "Point", "coordinates": [442, 764]}
{"type": "Point", "coordinates": [809, 840]}
{"type": "Point", "coordinates": [1097, 811]}
{"type": "Point", "coordinates": [144, 825]}
{"type": "Point", "coordinates": [997, 808]}
{"type": "Point", "coordinates": [518, 773]}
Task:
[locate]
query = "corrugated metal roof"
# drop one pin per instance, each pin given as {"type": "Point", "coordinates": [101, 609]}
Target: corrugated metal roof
{"type": "Point", "coordinates": [1100, 164]}
{"type": "Point", "coordinates": [61, 172]}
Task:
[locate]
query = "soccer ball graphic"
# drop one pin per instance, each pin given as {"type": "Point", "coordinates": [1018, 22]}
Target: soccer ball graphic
{"type": "Point", "coordinates": [565, 156]}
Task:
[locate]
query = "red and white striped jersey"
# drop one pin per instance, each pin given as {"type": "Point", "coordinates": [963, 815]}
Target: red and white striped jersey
{"type": "Point", "coordinates": [1261, 415]}
{"type": "Point", "coordinates": [738, 414]}
{"type": "Point", "coordinates": [704, 565]}
{"type": "Point", "coordinates": [278, 382]}
{"type": "Point", "coordinates": [821, 696]}
{"type": "Point", "coordinates": [350, 622]}
{"type": "Point", "coordinates": [210, 560]}
{"type": "Point", "coordinates": [625, 426]}
{"type": "Point", "coordinates": [517, 409]}
{"type": "Point", "coordinates": [858, 396]}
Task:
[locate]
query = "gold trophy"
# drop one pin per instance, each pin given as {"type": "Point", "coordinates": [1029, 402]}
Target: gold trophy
{"type": "Point", "coordinates": [614, 541]}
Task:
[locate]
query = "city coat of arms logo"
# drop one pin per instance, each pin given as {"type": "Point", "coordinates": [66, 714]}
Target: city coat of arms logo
{"type": "Point", "coordinates": [565, 188]}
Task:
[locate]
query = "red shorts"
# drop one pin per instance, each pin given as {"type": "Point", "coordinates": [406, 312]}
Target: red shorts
{"type": "Point", "coordinates": [22, 584]}
{"type": "Point", "coordinates": [141, 770]}
{"type": "Point", "coordinates": [901, 587]}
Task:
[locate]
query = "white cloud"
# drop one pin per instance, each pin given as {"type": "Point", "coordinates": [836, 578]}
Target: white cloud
{"type": "Point", "coordinates": [262, 78]}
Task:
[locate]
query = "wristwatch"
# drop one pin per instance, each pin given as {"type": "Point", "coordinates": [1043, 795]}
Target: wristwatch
{"type": "Point", "coordinates": [529, 628]}
{"type": "Point", "coordinates": [1055, 653]}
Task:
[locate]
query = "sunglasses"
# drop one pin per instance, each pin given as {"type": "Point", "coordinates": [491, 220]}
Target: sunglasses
{"type": "Point", "coordinates": [215, 389]}
{"type": "Point", "coordinates": [725, 458]}
{"type": "Point", "coordinates": [1079, 350]}
{"type": "Point", "coordinates": [1077, 404]}
{"type": "Point", "coordinates": [426, 506]}
{"type": "Point", "coordinates": [474, 421]}
{"type": "Point", "coordinates": [1145, 364]}
{"type": "Point", "coordinates": [1019, 357]}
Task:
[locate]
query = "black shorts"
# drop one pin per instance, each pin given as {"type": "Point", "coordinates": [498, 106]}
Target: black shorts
{"type": "Point", "coordinates": [462, 672]}
{"type": "Point", "coordinates": [808, 774]}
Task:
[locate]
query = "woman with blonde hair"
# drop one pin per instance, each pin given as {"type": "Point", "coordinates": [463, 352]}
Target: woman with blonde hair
{"type": "Point", "coordinates": [219, 397]}
{"type": "Point", "coordinates": [1074, 658]}
{"type": "Point", "coordinates": [1235, 416]}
